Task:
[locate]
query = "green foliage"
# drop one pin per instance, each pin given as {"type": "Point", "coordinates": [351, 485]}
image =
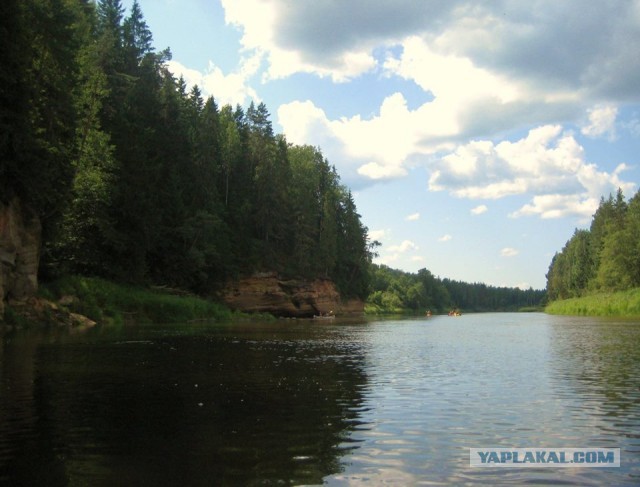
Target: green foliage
{"type": "Point", "coordinates": [105, 301]}
{"type": "Point", "coordinates": [40, 39]}
{"type": "Point", "coordinates": [604, 258]}
{"type": "Point", "coordinates": [622, 303]}
{"type": "Point", "coordinates": [137, 180]}
{"type": "Point", "coordinates": [396, 291]}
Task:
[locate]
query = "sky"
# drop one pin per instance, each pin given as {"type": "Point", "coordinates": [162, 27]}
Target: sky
{"type": "Point", "coordinates": [475, 136]}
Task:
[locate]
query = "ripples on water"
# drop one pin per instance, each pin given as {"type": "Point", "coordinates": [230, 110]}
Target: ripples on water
{"type": "Point", "coordinates": [396, 402]}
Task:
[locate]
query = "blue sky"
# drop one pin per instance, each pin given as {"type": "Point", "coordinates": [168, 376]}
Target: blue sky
{"type": "Point", "coordinates": [475, 137]}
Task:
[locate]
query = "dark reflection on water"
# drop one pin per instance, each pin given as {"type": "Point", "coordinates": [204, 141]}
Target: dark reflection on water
{"type": "Point", "coordinates": [395, 402]}
{"type": "Point", "coordinates": [226, 405]}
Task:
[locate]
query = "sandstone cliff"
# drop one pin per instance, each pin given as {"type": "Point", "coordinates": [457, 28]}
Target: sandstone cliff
{"type": "Point", "coordinates": [268, 293]}
{"type": "Point", "coordinates": [20, 237]}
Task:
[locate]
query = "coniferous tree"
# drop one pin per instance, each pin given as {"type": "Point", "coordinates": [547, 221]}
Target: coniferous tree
{"type": "Point", "coordinates": [42, 142]}
{"type": "Point", "coordinates": [15, 133]}
{"type": "Point", "coordinates": [85, 232]}
{"type": "Point", "coordinates": [156, 185]}
{"type": "Point", "coordinates": [605, 257]}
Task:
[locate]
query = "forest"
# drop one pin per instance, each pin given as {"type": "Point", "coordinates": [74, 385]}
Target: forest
{"type": "Point", "coordinates": [138, 179]}
{"type": "Point", "coordinates": [395, 290]}
{"type": "Point", "coordinates": [603, 258]}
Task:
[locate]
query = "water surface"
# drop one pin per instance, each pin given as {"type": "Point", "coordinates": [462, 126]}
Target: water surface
{"type": "Point", "coordinates": [298, 402]}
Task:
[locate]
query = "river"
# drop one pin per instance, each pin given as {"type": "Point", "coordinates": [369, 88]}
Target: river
{"type": "Point", "coordinates": [298, 402]}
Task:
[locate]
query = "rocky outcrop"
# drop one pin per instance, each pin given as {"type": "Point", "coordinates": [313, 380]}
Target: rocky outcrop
{"type": "Point", "coordinates": [20, 237]}
{"type": "Point", "coordinates": [38, 311]}
{"type": "Point", "coordinates": [269, 293]}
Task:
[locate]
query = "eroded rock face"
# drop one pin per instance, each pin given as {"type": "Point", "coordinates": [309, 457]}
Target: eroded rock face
{"type": "Point", "coordinates": [268, 293]}
{"type": "Point", "coordinates": [20, 238]}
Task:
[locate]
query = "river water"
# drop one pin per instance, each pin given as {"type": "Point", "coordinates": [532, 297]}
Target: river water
{"type": "Point", "coordinates": [300, 402]}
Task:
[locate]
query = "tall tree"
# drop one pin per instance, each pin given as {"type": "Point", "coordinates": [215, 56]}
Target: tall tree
{"type": "Point", "coordinates": [15, 133]}
{"type": "Point", "coordinates": [85, 236]}
{"type": "Point", "coordinates": [41, 143]}
{"type": "Point", "coordinates": [353, 257]}
{"type": "Point", "coordinates": [137, 38]}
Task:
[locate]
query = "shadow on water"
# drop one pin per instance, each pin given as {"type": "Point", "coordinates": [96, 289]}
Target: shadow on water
{"type": "Point", "coordinates": [241, 405]}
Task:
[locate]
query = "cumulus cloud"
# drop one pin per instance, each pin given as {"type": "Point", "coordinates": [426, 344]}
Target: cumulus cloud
{"type": "Point", "coordinates": [340, 39]}
{"type": "Point", "coordinates": [379, 148]}
{"type": "Point", "coordinates": [485, 68]}
{"type": "Point", "coordinates": [377, 234]}
{"type": "Point", "coordinates": [445, 238]}
{"type": "Point", "coordinates": [413, 217]}
{"type": "Point", "coordinates": [558, 206]}
{"type": "Point", "coordinates": [393, 253]}
{"type": "Point", "coordinates": [602, 122]}
{"type": "Point", "coordinates": [231, 89]}
{"type": "Point", "coordinates": [509, 252]}
{"type": "Point", "coordinates": [328, 39]}
{"type": "Point", "coordinates": [479, 210]}
{"type": "Point", "coordinates": [548, 163]}
{"type": "Point", "coordinates": [375, 170]}
{"type": "Point", "coordinates": [405, 246]}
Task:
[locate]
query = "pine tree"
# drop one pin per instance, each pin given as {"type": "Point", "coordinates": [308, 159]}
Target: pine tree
{"type": "Point", "coordinates": [85, 236]}
{"type": "Point", "coordinates": [46, 144]}
{"type": "Point", "coordinates": [137, 38]}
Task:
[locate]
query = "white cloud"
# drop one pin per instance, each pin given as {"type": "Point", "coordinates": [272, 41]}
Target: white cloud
{"type": "Point", "coordinates": [377, 234]}
{"type": "Point", "coordinates": [262, 22]}
{"type": "Point", "coordinates": [405, 246]}
{"type": "Point", "coordinates": [340, 39]}
{"type": "Point", "coordinates": [413, 217]}
{"type": "Point", "coordinates": [301, 119]}
{"type": "Point", "coordinates": [479, 210]}
{"type": "Point", "coordinates": [558, 206]}
{"type": "Point", "coordinates": [445, 238]}
{"type": "Point", "coordinates": [455, 82]}
{"type": "Point", "coordinates": [509, 252]}
{"type": "Point", "coordinates": [602, 122]}
{"type": "Point", "coordinates": [374, 149]}
{"type": "Point", "coordinates": [191, 76]}
{"type": "Point", "coordinates": [547, 163]}
{"type": "Point", "coordinates": [232, 88]}
{"type": "Point", "coordinates": [393, 253]}
{"type": "Point", "coordinates": [486, 69]}
{"type": "Point", "coordinates": [374, 170]}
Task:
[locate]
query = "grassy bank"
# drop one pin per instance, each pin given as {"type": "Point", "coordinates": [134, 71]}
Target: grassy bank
{"type": "Point", "coordinates": [377, 310]}
{"type": "Point", "coordinates": [623, 303]}
{"type": "Point", "coordinates": [374, 309]}
{"type": "Point", "coordinates": [108, 302]}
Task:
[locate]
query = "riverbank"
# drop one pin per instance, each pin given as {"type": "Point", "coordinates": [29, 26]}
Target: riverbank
{"type": "Point", "coordinates": [372, 309]}
{"type": "Point", "coordinates": [623, 304]}
{"type": "Point", "coordinates": [106, 302]}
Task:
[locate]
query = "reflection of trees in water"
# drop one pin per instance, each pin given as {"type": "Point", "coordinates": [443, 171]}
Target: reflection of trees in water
{"type": "Point", "coordinates": [599, 360]}
{"type": "Point", "coordinates": [198, 410]}
{"type": "Point", "coordinates": [26, 456]}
